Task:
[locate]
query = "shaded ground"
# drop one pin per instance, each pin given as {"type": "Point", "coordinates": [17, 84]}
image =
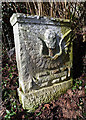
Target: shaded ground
{"type": "Point", "coordinates": [69, 106]}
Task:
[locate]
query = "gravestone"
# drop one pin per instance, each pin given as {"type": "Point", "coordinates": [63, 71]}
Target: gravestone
{"type": "Point", "coordinates": [44, 58]}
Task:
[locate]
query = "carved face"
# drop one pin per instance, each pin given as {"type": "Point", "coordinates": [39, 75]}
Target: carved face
{"type": "Point", "coordinates": [50, 38]}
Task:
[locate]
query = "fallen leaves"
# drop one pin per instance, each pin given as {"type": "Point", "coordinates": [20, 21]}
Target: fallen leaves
{"type": "Point", "coordinates": [81, 93]}
{"type": "Point", "coordinates": [47, 106]}
{"type": "Point", "coordinates": [70, 93]}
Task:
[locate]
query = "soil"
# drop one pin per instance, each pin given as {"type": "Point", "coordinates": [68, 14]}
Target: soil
{"type": "Point", "coordinates": [69, 106]}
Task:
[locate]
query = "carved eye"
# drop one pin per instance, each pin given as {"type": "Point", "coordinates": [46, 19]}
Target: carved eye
{"type": "Point", "coordinates": [49, 37]}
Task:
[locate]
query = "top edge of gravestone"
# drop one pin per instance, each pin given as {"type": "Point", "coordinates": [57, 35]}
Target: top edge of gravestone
{"type": "Point", "coordinates": [26, 18]}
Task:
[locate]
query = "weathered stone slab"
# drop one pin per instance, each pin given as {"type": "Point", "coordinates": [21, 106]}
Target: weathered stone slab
{"type": "Point", "coordinates": [35, 98]}
{"type": "Point", "coordinates": [44, 58]}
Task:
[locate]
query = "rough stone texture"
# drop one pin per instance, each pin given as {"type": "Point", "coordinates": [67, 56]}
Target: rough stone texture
{"type": "Point", "coordinates": [44, 61]}
{"type": "Point", "coordinates": [32, 99]}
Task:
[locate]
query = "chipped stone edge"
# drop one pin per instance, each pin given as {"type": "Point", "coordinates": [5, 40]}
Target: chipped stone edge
{"type": "Point", "coordinates": [56, 89]}
{"type": "Point", "coordinates": [15, 16]}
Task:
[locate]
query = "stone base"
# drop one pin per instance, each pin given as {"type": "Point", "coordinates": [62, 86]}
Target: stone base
{"type": "Point", "coordinates": [33, 99]}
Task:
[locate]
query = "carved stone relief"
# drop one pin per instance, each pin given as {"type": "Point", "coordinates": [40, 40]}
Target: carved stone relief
{"type": "Point", "coordinates": [43, 58]}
